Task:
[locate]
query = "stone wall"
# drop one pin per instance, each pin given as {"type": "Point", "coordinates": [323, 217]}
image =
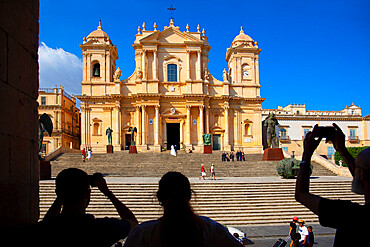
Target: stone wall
{"type": "Point", "coordinates": [19, 29]}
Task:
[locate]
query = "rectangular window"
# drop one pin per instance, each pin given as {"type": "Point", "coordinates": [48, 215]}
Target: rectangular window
{"type": "Point", "coordinates": [283, 135]}
{"type": "Point", "coordinates": [43, 148]}
{"type": "Point", "coordinates": [352, 134]}
{"type": "Point", "coordinates": [330, 152]}
{"type": "Point", "coordinates": [305, 131]}
{"type": "Point", "coordinates": [172, 72]}
{"type": "Point", "coordinates": [43, 100]}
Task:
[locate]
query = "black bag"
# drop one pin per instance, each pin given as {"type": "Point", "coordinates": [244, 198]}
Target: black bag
{"type": "Point", "coordinates": [280, 243]}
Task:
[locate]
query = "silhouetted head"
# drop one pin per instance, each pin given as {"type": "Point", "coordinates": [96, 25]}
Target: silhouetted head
{"type": "Point", "coordinates": [73, 186]}
{"type": "Point", "coordinates": [173, 186]}
{"type": "Point", "coordinates": [361, 180]}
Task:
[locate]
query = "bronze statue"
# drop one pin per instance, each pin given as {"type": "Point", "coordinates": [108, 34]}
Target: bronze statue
{"type": "Point", "coordinates": [109, 133]}
{"type": "Point", "coordinates": [207, 139]}
{"type": "Point", "coordinates": [272, 138]}
{"type": "Point", "coordinates": [132, 130]}
{"type": "Point", "coordinates": [45, 124]}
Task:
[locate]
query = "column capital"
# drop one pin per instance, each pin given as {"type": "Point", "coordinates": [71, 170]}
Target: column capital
{"type": "Point", "coordinates": [157, 107]}
{"type": "Point", "coordinates": [201, 107]}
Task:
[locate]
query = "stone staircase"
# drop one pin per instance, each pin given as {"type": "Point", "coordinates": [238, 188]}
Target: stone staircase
{"type": "Point", "coordinates": [265, 199]}
{"type": "Point", "coordinates": [123, 164]}
{"type": "Point", "coordinates": [237, 203]}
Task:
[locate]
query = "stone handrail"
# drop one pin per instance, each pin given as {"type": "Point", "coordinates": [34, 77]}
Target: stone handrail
{"type": "Point", "coordinates": [58, 151]}
{"type": "Point", "coordinates": [339, 170]}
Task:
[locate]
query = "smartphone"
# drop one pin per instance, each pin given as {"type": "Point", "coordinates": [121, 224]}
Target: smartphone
{"type": "Point", "coordinates": [325, 132]}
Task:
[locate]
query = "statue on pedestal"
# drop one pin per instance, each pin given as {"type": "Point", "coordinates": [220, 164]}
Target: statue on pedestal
{"type": "Point", "coordinates": [207, 139]}
{"type": "Point", "coordinates": [45, 124]}
{"type": "Point", "coordinates": [132, 130]}
{"type": "Point", "coordinates": [108, 132]}
{"type": "Point", "coordinates": [272, 139]}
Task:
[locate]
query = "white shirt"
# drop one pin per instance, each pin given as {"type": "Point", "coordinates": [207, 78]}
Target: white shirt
{"type": "Point", "coordinates": [147, 235]}
{"type": "Point", "coordinates": [304, 232]}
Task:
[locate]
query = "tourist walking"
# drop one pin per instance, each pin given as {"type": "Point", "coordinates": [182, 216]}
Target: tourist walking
{"type": "Point", "coordinates": [89, 153]}
{"type": "Point", "coordinates": [179, 226]}
{"type": "Point", "coordinates": [311, 236]}
{"type": "Point", "coordinates": [202, 172]}
{"type": "Point", "coordinates": [242, 157]}
{"type": "Point", "coordinates": [293, 230]}
{"type": "Point", "coordinates": [83, 153]}
{"type": "Point", "coordinates": [231, 156]}
{"type": "Point", "coordinates": [212, 170]}
{"type": "Point", "coordinates": [303, 241]}
{"type": "Point", "coordinates": [173, 151]}
{"type": "Point", "coordinates": [237, 155]}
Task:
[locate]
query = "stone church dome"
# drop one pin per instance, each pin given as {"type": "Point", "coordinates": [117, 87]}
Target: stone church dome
{"type": "Point", "coordinates": [98, 34]}
{"type": "Point", "coordinates": [241, 38]}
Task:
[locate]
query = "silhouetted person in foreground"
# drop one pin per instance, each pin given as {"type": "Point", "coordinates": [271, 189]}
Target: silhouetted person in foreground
{"type": "Point", "coordinates": [179, 226]}
{"type": "Point", "coordinates": [350, 219]}
{"type": "Point", "coordinates": [67, 224]}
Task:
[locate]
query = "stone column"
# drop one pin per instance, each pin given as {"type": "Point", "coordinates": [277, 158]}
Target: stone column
{"type": "Point", "coordinates": [144, 65]}
{"type": "Point", "coordinates": [155, 67]}
{"type": "Point", "coordinates": [188, 125]}
{"type": "Point", "coordinates": [227, 142]}
{"type": "Point", "coordinates": [181, 132]}
{"type": "Point", "coordinates": [188, 68]}
{"type": "Point", "coordinates": [143, 123]}
{"type": "Point", "coordinates": [207, 119]}
{"type": "Point", "coordinates": [137, 113]}
{"type": "Point", "coordinates": [199, 77]}
{"type": "Point", "coordinates": [156, 136]}
{"type": "Point", "coordinates": [118, 128]}
{"type": "Point", "coordinates": [201, 123]}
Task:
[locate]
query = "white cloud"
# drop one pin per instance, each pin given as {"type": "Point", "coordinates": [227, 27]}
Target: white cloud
{"type": "Point", "coordinates": [59, 67]}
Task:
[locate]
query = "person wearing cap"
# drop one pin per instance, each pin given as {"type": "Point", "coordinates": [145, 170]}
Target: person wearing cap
{"type": "Point", "coordinates": [303, 241]}
{"type": "Point", "coordinates": [67, 224]}
{"type": "Point", "coordinates": [293, 230]}
{"type": "Point", "coordinates": [348, 218]}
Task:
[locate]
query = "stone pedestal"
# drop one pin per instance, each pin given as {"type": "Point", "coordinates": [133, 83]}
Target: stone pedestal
{"type": "Point", "coordinates": [273, 154]}
{"type": "Point", "coordinates": [207, 149]}
{"type": "Point", "coordinates": [132, 150]}
{"type": "Point", "coordinates": [45, 170]}
{"type": "Point", "coordinates": [109, 149]}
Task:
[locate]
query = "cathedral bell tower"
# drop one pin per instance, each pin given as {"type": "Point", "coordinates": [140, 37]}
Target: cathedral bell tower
{"type": "Point", "coordinates": [99, 62]}
{"type": "Point", "coordinates": [242, 58]}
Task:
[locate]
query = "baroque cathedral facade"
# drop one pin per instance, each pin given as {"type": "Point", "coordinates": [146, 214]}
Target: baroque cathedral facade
{"type": "Point", "coordinates": [171, 97]}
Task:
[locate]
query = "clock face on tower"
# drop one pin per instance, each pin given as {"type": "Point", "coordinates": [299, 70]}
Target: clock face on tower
{"type": "Point", "coordinates": [245, 73]}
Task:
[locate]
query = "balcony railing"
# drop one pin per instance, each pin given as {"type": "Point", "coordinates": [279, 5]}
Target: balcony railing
{"type": "Point", "coordinates": [353, 139]}
{"type": "Point", "coordinates": [284, 139]}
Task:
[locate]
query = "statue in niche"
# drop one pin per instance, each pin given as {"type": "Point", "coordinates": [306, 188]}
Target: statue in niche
{"type": "Point", "coordinates": [117, 74]}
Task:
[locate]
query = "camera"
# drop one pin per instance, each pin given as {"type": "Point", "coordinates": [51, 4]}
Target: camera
{"type": "Point", "coordinates": [325, 132]}
{"type": "Point", "coordinates": [93, 179]}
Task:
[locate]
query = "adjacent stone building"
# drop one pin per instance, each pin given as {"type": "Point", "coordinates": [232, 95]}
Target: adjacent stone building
{"type": "Point", "coordinates": [295, 121]}
{"type": "Point", "coordinates": [62, 109]}
{"type": "Point", "coordinates": [171, 97]}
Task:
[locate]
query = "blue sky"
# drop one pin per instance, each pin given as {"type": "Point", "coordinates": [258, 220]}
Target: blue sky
{"type": "Point", "coordinates": [313, 52]}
